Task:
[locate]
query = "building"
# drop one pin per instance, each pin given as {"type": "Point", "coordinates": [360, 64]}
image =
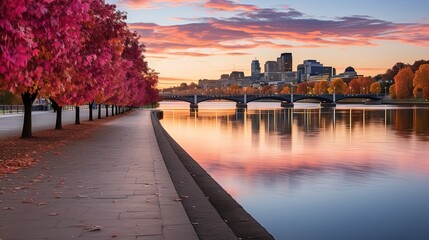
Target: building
{"type": "Point", "coordinates": [236, 75]}
{"type": "Point", "coordinates": [224, 77]}
{"type": "Point", "coordinates": [310, 68]}
{"type": "Point", "coordinates": [255, 69]}
{"type": "Point", "coordinates": [349, 74]}
{"type": "Point", "coordinates": [285, 62]}
{"type": "Point", "coordinates": [271, 66]}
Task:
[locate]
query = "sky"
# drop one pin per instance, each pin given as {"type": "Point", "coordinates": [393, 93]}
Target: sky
{"type": "Point", "coordinates": [188, 40]}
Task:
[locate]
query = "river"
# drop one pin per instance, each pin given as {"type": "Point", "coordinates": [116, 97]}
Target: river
{"type": "Point", "coordinates": [350, 172]}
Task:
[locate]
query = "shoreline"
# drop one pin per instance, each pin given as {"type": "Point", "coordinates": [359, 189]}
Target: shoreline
{"type": "Point", "coordinates": [212, 211]}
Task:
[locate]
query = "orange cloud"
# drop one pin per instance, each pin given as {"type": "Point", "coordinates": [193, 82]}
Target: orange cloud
{"type": "Point", "coordinates": [273, 28]}
{"type": "Point", "coordinates": [138, 4]}
{"type": "Point", "coordinates": [229, 6]}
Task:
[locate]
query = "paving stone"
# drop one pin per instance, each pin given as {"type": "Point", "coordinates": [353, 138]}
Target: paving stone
{"type": "Point", "coordinates": [116, 179]}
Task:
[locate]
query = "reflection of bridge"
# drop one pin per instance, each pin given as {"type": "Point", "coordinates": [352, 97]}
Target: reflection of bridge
{"type": "Point", "coordinates": [286, 100]}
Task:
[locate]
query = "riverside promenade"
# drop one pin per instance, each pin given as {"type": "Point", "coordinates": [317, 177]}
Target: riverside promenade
{"type": "Point", "coordinates": [113, 185]}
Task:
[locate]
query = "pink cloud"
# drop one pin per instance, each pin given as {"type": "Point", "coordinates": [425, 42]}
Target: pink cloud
{"type": "Point", "coordinates": [274, 28]}
{"type": "Point", "coordinates": [229, 6]}
{"type": "Point", "coordinates": [137, 4]}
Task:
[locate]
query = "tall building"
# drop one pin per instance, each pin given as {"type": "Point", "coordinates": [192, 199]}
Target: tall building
{"type": "Point", "coordinates": [271, 66]}
{"type": "Point", "coordinates": [255, 69]}
{"type": "Point", "coordinates": [310, 68]}
{"type": "Point", "coordinates": [285, 62]}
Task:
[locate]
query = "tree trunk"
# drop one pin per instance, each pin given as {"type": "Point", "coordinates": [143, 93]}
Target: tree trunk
{"type": "Point", "coordinates": [116, 109]}
{"type": "Point", "coordinates": [99, 111]}
{"type": "Point", "coordinates": [113, 110]}
{"type": "Point", "coordinates": [77, 118]}
{"type": "Point", "coordinates": [58, 109]}
{"type": "Point", "coordinates": [90, 111]}
{"type": "Point", "coordinates": [28, 100]}
{"type": "Point", "coordinates": [107, 110]}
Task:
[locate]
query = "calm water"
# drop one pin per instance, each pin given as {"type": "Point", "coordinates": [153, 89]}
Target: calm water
{"type": "Point", "coordinates": [354, 172]}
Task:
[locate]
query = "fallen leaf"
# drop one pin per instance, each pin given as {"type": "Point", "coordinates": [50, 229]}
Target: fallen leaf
{"type": "Point", "coordinates": [29, 200]}
{"type": "Point", "coordinates": [41, 203]}
{"type": "Point", "coordinates": [81, 196]}
{"type": "Point", "coordinates": [8, 208]}
{"type": "Point", "coordinates": [53, 214]}
{"type": "Point", "coordinates": [93, 228]}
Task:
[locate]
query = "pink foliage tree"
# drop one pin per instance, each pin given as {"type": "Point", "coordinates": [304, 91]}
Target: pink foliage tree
{"type": "Point", "coordinates": [36, 39]}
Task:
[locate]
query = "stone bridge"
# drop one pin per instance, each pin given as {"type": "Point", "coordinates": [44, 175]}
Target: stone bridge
{"type": "Point", "coordinates": [287, 100]}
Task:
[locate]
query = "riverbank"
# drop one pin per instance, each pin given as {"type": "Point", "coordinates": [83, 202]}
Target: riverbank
{"type": "Point", "coordinates": [212, 210]}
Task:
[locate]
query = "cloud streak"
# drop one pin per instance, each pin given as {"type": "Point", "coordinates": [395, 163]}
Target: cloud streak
{"type": "Point", "coordinates": [273, 28]}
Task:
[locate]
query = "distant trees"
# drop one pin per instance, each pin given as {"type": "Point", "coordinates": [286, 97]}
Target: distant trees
{"type": "Point", "coordinates": [421, 81]}
{"type": "Point", "coordinates": [375, 88]}
{"type": "Point", "coordinates": [321, 87]}
{"type": "Point", "coordinates": [404, 83]}
{"type": "Point", "coordinates": [338, 86]}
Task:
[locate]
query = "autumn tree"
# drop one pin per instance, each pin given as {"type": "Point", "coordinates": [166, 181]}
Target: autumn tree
{"type": "Point", "coordinates": [404, 83]}
{"type": "Point", "coordinates": [392, 72]}
{"type": "Point", "coordinates": [302, 88]}
{"type": "Point", "coordinates": [421, 81]}
{"type": "Point", "coordinates": [285, 90]}
{"type": "Point", "coordinates": [365, 84]}
{"type": "Point", "coordinates": [392, 91]}
{"type": "Point", "coordinates": [375, 88]}
{"type": "Point", "coordinates": [234, 89]}
{"type": "Point", "coordinates": [354, 86]}
{"type": "Point", "coordinates": [321, 87]}
{"type": "Point", "coordinates": [416, 65]}
{"type": "Point", "coordinates": [338, 86]}
{"type": "Point", "coordinates": [36, 37]}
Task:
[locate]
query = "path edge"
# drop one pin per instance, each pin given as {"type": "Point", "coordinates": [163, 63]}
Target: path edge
{"type": "Point", "coordinates": [212, 211]}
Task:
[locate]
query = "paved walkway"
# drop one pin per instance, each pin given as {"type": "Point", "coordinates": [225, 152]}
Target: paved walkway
{"type": "Point", "coordinates": [112, 186]}
{"type": "Point", "coordinates": [11, 124]}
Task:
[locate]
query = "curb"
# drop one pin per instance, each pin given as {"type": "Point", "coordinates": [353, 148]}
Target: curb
{"type": "Point", "coordinates": [212, 211]}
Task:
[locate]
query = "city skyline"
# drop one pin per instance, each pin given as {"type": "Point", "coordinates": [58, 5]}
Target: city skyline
{"type": "Point", "coordinates": [191, 40]}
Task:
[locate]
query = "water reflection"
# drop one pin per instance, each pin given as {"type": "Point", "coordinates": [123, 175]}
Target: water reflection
{"type": "Point", "coordinates": [294, 165]}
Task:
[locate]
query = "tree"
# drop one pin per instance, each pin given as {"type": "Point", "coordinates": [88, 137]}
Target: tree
{"type": "Point", "coordinates": [321, 87]}
{"type": "Point", "coordinates": [365, 84]}
{"type": "Point", "coordinates": [36, 37]}
{"type": "Point", "coordinates": [392, 91]}
{"type": "Point", "coordinates": [302, 88]}
{"type": "Point", "coordinates": [354, 86]}
{"type": "Point", "coordinates": [338, 86]}
{"type": "Point", "coordinates": [417, 64]}
{"type": "Point", "coordinates": [375, 88]}
{"type": "Point", "coordinates": [404, 83]}
{"type": "Point", "coordinates": [392, 72]}
{"type": "Point", "coordinates": [421, 81]}
{"type": "Point", "coordinates": [285, 90]}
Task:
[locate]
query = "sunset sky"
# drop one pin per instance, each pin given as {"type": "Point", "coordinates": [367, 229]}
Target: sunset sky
{"type": "Point", "coordinates": [188, 40]}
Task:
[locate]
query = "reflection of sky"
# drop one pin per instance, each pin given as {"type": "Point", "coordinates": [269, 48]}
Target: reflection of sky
{"type": "Point", "coordinates": [292, 167]}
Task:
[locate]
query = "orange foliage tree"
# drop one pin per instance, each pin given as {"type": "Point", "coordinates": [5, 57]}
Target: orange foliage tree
{"type": "Point", "coordinates": [404, 83]}
{"type": "Point", "coordinates": [302, 88]}
{"type": "Point", "coordinates": [321, 87]}
{"type": "Point", "coordinates": [375, 88]}
{"type": "Point", "coordinates": [338, 86]}
{"type": "Point", "coordinates": [365, 84]}
{"type": "Point", "coordinates": [421, 81]}
{"type": "Point", "coordinates": [354, 86]}
{"type": "Point", "coordinates": [285, 90]}
{"type": "Point", "coordinates": [392, 91]}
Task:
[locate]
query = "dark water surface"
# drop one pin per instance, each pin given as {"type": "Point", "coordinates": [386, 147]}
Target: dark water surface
{"type": "Point", "coordinates": [353, 172]}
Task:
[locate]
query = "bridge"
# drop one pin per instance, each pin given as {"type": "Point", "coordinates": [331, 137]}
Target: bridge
{"type": "Point", "coordinates": [287, 100]}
